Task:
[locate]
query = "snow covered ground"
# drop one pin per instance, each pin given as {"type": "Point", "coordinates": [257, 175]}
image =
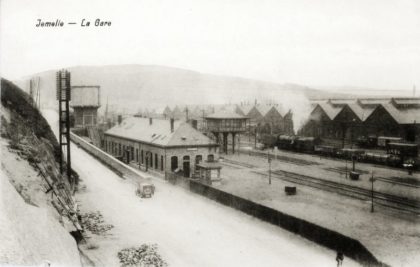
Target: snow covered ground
{"type": "Point", "coordinates": [30, 230]}
{"type": "Point", "coordinates": [393, 237]}
{"type": "Point", "coordinates": [29, 235]}
{"type": "Point", "coordinates": [190, 230]}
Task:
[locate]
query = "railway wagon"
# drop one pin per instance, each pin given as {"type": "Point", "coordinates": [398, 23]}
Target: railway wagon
{"type": "Point", "coordinates": [397, 154]}
{"type": "Point", "coordinates": [404, 153]}
{"type": "Point", "coordinates": [367, 142]}
{"type": "Point", "coordinates": [370, 157]}
{"type": "Point", "coordinates": [384, 141]}
{"type": "Point", "coordinates": [349, 153]}
{"type": "Point", "coordinates": [306, 144]}
{"type": "Point", "coordinates": [287, 142]}
{"type": "Point", "coordinates": [329, 151]}
{"type": "Point", "coordinates": [268, 140]}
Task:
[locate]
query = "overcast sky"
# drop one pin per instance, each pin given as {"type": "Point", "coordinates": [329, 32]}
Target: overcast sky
{"type": "Point", "coordinates": [368, 43]}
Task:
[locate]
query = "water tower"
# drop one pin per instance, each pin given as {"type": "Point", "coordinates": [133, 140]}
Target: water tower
{"type": "Point", "coordinates": [85, 103]}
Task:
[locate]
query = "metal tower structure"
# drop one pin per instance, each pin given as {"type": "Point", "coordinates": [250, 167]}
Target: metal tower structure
{"type": "Point", "coordinates": [64, 97]}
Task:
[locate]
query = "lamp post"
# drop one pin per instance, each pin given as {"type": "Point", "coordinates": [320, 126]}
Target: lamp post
{"type": "Point", "coordinates": [147, 160]}
{"type": "Point", "coordinates": [346, 165]}
{"type": "Point", "coordinates": [372, 180]}
{"type": "Point", "coordinates": [239, 143]}
{"type": "Point", "coordinates": [269, 167]}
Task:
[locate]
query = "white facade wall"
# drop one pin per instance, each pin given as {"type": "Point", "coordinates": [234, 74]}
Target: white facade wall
{"type": "Point", "coordinates": [163, 155]}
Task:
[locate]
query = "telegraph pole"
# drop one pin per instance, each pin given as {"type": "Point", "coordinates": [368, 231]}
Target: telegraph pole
{"type": "Point", "coordinates": [269, 167]}
{"type": "Point", "coordinates": [346, 165]}
{"type": "Point", "coordinates": [371, 207]}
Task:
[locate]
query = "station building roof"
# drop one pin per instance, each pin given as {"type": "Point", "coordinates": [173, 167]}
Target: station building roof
{"type": "Point", "coordinates": [159, 133]}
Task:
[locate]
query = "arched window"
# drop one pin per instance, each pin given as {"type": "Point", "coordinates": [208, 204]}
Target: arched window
{"type": "Point", "coordinates": [198, 159]}
{"type": "Point", "coordinates": [150, 156]}
{"type": "Point", "coordinates": [186, 166]}
{"type": "Point", "coordinates": [210, 158]}
{"type": "Point", "coordinates": [174, 163]}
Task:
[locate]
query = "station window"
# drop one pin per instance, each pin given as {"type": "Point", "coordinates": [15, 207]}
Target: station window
{"type": "Point", "coordinates": [150, 155]}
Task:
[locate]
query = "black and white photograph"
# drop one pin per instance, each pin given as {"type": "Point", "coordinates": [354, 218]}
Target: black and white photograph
{"type": "Point", "coordinates": [210, 133]}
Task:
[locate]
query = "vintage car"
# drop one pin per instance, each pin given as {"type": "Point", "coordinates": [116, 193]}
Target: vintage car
{"type": "Point", "coordinates": [145, 190]}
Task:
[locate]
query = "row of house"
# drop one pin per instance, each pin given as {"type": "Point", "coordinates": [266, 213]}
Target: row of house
{"type": "Point", "coordinates": [266, 118]}
{"type": "Point", "coordinates": [346, 120]}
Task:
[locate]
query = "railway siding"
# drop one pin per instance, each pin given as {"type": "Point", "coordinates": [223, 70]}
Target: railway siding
{"type": "Point", "coordinates": [385, 232]}
{"type": "Point", "coordinates": [394, 182]}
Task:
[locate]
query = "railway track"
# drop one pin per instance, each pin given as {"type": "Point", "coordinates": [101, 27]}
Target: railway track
{"type": "Point", "coordinates": [300, 162]}
{"type": "Point", "coordinates": [238, 163]}
{"type": "Point", "coordinates": [383, 199]}
{"type": "Point", "coordinates": [395, 181]}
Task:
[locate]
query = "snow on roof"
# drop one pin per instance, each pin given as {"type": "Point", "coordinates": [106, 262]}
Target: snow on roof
{"type": "Point", "coordinates": [361, 112]}
{"type": "Point", "coordinates": [264, 109]}
{"type": "Point", "coordinates": [246, 108]}
{"type": "Point", "coordinates": [403, 116]}
{"type": "Point", "coordinates": [407, 101]}
{"type": "Point", "coordinates": [159, 132]}
{"type": "Point", "coordinates": [373, 101]}
{"type": "Point", "coordinates": [225, 114]}
{"type": "Point", "coordinates": [341, 102]}
{"type": "Point", "coordinates": [283, 112]}
{"type": "Point", "coordinates": [403, 110]}
{"type": "Point", "coordinates": [330, 110]}
{"type": "Point", "coordinates": [85, 96]}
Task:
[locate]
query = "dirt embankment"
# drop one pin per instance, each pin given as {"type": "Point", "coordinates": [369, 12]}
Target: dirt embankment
{"type": "Point", "coordinates": [29, 160]}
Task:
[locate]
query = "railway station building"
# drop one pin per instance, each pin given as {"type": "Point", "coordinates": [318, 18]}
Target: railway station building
{"type": "Point", "coordinates": [162, 145]}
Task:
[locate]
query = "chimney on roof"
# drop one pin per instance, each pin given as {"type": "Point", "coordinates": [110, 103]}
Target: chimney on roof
{"type": "Point", "coordinates": [119, 119]}
{"type": "Point", "coordinates": [172, 125]}
{"type": "Point", "coordinates": [150, 121]}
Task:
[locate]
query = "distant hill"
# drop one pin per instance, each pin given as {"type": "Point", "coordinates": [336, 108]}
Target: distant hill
{"type": "Point", "coordinates": [131, 87]}
{"type": "Point", "coordinates": [369, 92]}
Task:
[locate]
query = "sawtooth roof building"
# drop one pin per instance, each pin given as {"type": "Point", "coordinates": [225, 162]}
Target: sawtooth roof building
{"type": "Point", "coordinates": [266, 118]}
{"type": "Point", "coordinates": [162, 145]}
{"type": "Point", "coordinates": [345, 120]}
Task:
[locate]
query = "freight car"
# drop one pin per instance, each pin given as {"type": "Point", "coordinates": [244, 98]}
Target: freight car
{"type": "Point", "coordinates": [397, 154]}
{"type": "Point", "coordinates": [287, 142]}
{"type": "Point", "coordinates": [306, 144]}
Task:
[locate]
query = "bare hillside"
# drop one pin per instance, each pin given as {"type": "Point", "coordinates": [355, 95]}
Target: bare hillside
{"type": "Point", "coordinates": [136, 86]}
